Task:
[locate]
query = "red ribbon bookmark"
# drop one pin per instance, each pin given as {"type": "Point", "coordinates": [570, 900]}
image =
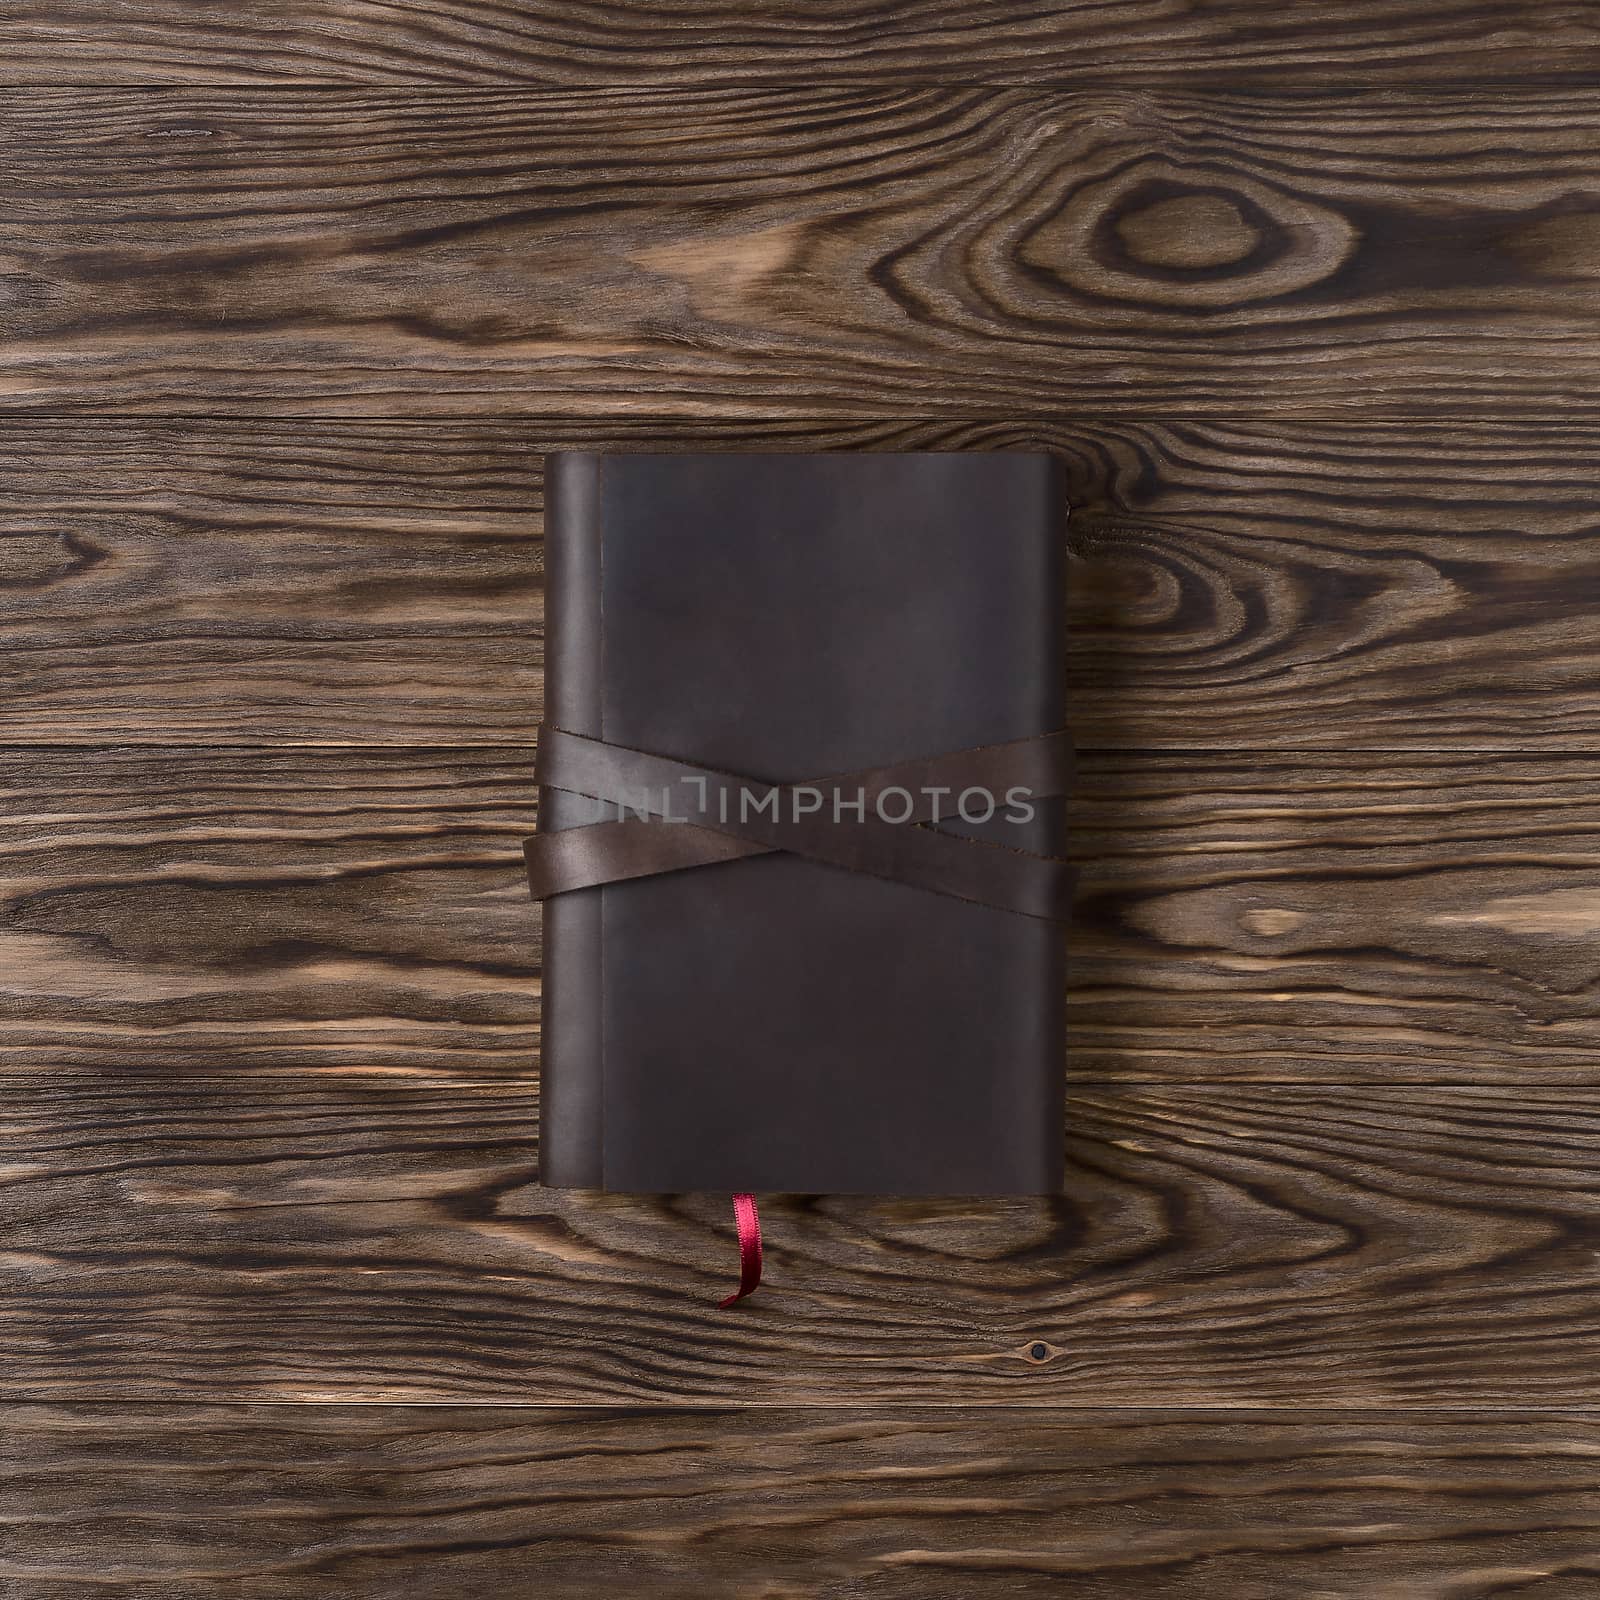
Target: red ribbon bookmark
{"type": "Point", "coordinates": [749, 1222]}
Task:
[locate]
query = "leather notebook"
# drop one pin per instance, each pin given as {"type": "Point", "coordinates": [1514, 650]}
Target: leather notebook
{"type": "Point", "coordinates": [773, 959]}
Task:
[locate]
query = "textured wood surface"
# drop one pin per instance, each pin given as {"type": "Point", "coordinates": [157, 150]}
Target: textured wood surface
{"type": "Point", "coordinates": [1293, 916]}
{"type": "Point", "coordinates": [1349, 585]}
{"type": "Point", "coordinates": [834, 250]}
{"type": "Point", "coordinates": [267, 582]}
{"type": "Point", "coordinates": [727, 41]}
{"type": "Point", "coordinates": [1224, 1244]}
{"type": "Point", "coordinates": [290, 305]}
{"type": "Point", "coordinates": [1337, 917]}
{"type": "Point", "coordinates": [456, 1503]}
{"type": "Point", "coordinates": [167, 910]}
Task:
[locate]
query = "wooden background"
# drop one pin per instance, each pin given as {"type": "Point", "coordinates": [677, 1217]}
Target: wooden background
{"type": "Point", "coordinates": [294, 298]}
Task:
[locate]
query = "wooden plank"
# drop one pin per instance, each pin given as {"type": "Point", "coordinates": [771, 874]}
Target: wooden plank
{"type": "Point", "coordinates": [267, 582]}
{"type": "Point", "coordinates": [844, 250]}
{"type": "Point", "coordinates": [1334, 585]}
{"type": "Point", "coordinates": [1351, 585]}
{"type": "Point", "coordinates": [166, 911]}
{"type": "Point", "coordinates": [1337, 918]}
{"type": "Point", "coordinates": [1272, 917]}
{"type": "Point", "coordinates": [1400, 43]}
{"type": "Point", "coordinates": [463, 1502]}
{"type": "Point", "coordinates": [316, 1241]}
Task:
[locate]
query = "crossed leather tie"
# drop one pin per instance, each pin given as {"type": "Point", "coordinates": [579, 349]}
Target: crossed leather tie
{"type": "Point", "coordinates": [718, 816]}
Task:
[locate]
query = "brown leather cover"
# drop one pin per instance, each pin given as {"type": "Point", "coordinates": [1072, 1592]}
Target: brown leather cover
{"type": "Point", "coordinates": [774, 1021]}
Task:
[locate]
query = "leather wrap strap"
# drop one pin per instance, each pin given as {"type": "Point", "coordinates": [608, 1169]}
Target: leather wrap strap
{"type": "Point", "coordinates": [687, 815]}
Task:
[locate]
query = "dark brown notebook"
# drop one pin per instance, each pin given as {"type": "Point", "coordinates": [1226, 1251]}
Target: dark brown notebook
{"type": "Point", "coordinates": [821, 1021]}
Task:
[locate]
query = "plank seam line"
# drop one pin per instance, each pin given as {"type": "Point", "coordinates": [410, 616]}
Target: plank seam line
{"type": "Point", "coordinates": [1304, 87]}
{"type": "Point", "coordinates": [591, 422]}
{"type": "Point", "coordinates": [1388, 1410]}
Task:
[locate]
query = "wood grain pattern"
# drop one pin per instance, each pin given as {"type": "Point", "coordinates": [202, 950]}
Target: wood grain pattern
{"type": "Point", "coordinates": [1351, 585]}
{"type": "Point", "coordinates": [833, 250]}
{"type": "Point", "coordinates": [1399, 42]}
{"type": "Point", "coordinates": [164, 910]}
{"type": "Point", "coordinates": [270, 582]}
{"type": "Point", "coordinates": [1271, 917]}
{"type": "Point", "coordinates": [463, 1502]}
{"type": "Point", "coordinates": [1337, 918]}
{"type": "Point", "coordinates": [1224, 1245]}
{"type": "Point", "coordinates": [1335, 585]}
{"type": "Point", "coordinates": [268, 1012]}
